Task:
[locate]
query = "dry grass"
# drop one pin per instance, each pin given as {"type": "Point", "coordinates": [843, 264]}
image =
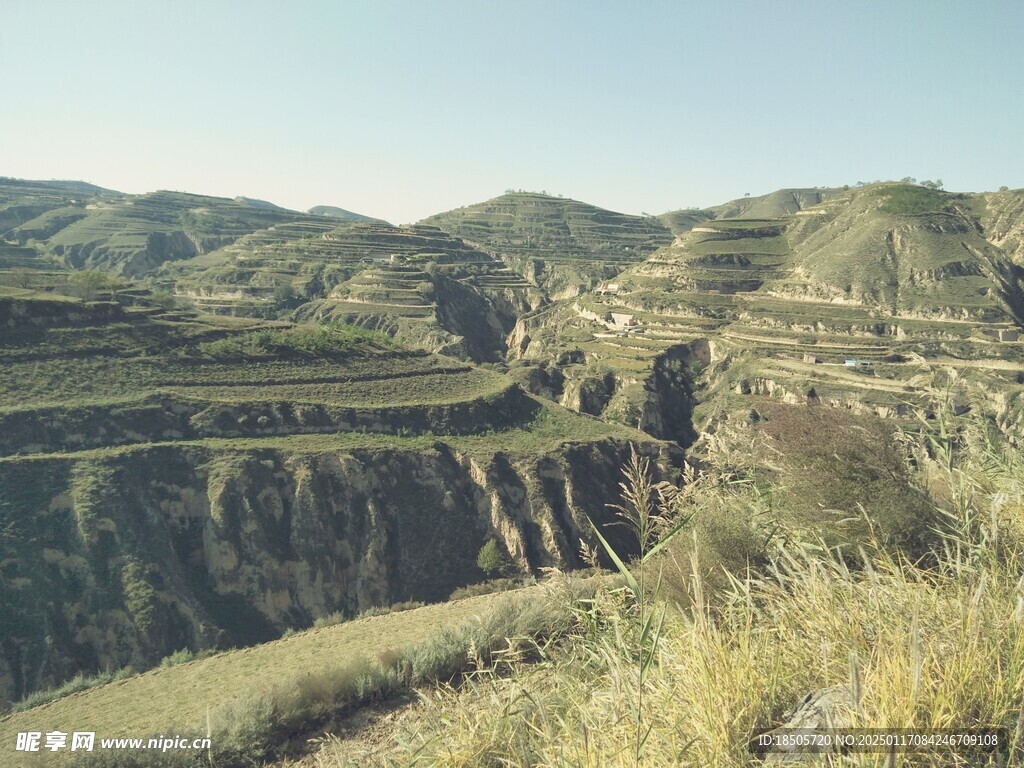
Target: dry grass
{"type": "Point", "coordinates": [934, 646]}
{"type": "Point", "coordinates": [181, 697]}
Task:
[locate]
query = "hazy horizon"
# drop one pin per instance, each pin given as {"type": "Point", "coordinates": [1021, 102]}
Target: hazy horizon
{"type": "Point", "coordinates": [400, 110]}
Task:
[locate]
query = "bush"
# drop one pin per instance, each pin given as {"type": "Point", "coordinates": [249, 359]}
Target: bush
{"type": "Point", "coordinates": [302, 341]}
{"type": "Point", "coordinates": [406, 605]}
{"type": "Point", "coordinates": [178, 657]}
{"type": "Point", "coordinates": [329, 620]}
{"type": "Point", "coordinates": [74, 685]}
{"type": "Point", "coordinates": [284, 292]}
{"type": "Point", "coordinates": [909, 198]}
{"type": "Point", "coordinates": [492, 559]}
{"type": "Point", "coordinates": [484, 588]}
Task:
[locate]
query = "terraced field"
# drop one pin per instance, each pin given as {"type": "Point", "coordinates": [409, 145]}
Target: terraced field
{"type": "Point", "coordinates": [559, 244]}
{"type": "Point", "coordinates": [787, 302]}
{"type": "Point", "coordinates": [173, 479]}
{"type": "Point", "coordinates": [135, 235]}
{"type": "Point", "coordinates": [415, 283]}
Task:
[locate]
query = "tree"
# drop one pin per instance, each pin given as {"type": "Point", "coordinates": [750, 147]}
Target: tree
{"type": "Point", "coordinates": [492, 560]}
{"type": "Point", "coordinates": [22, 278]}
{"type": "Point", "coordinates": [284, 292]}
{"type": "Point", "coordinates": [88, 283]}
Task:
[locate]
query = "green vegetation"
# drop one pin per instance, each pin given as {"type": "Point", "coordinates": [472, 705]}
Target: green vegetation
{"type": "Point", "coordinates": [311, 342]}
{"type": "Point", "coordinates": [492, 560]}
{"type": "Point", "coordinates": [78, 683]}
{"type": "Point", "coordinates": [904, 199]}
{"type": "Point", "coordinates": [178, 657]}
{"type": "Point", "coordinates": [919, 643]}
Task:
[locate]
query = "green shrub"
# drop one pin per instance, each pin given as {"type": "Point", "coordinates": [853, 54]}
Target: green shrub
{"type": "Point", "coordinates": [406, 605]}
{"type": "Point", "coordinates": [492, 560]}
{"type": "Point", "coordinates": [329, 620]}
{"type": "Point", "coordinates": [910, 198]}
{"type": "Point", "coordinates": [74, 685]}
{"type": "Point", "coordinates": [305, 341]}
{"type": "Point", "coordinates": [484, 588]}
{"type": "Point", "coordinates": [243, 731]}
{"type": "Point", "coordinates": [178, 657]}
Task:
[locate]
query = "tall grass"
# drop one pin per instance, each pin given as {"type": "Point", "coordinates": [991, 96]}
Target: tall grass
{"type": "Point", "coordinates": [258, 728]}
{"type": "Point", "coordinates": [936, 642]}
{"type": "Point", "coordinates": [78, 683]}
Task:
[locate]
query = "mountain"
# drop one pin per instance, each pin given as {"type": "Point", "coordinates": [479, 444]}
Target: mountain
{"type": "Point", "coordinates": [890, 276]}
{"type": "Point", "coordinates": [340, 213]}
{"type": "Point", "coordinates": [1001, 218]}
{"type": "Point", "coordinates": [781, 202]}
{"type": "Point", "coordinates": [223, 423]}
{"type": "Point", "coordinates": [22, 200]}
{"type": "Point", "coordinates": [416, 283]}
{"type": "Point", "coordinates": [563, 246]}
{"type": "Point", "coordinates": [134, 235]}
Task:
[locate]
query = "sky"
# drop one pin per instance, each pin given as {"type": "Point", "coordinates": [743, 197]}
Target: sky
{"type": "Point", "coordinates": [404, 108]}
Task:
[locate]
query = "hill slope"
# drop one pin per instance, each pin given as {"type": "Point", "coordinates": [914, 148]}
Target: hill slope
{"type": "Point", "coordinates": [561, 245]}
{"type": "Point", "coordinates": [174, 480]}
{"type": "Point", "coordinates": [129, 234]}
{"type": "Point", "coordinates": [889, 276]}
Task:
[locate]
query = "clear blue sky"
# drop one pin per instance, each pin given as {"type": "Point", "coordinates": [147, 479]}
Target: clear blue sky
{"type": "Point", "coordinates": [400, 109]}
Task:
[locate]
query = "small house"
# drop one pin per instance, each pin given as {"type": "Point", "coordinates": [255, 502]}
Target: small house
{"type": "Point", "coordinates": [851, 363]}
{"type": "Point", "coordinates": [809, 358]}
{"type": "Point", "coordinates": [622, 320]}
{"type": "Point", "coordinates": [611, 289]}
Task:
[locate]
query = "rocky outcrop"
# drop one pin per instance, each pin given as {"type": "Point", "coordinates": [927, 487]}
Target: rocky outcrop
{"type": "Point", "coordinates": [127, 556]}
{"type": "Point", "coordinates": [60, 312]}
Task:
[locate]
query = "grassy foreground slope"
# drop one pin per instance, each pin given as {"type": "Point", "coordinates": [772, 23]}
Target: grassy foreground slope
{"type": "Point", "coordinates": [880, 640]}
{"type": "Point", "coordinates": [181, 698]}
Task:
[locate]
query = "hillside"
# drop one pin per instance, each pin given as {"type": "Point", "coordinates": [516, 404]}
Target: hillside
{"type": "Point", "coordinates": [140, 704]}
{"type": "Point", "coordinates": [222, 422]}
{"type": "Point", "coordinates": [781, 202]}
{"type": "Point", "coordinates": [133, 235]}
{"type": "Point", "coordinates": [558, 244]}
{"type": "Point", "coordinates": [1001, 217]}
{"type": "Point", "coordinates": [897, 279]}
{"type": "Point", "coordinates": [178, 480]}
{"type": "Point", "coordinates": [335, 212]}
{"type": "Point", "coordinates": [415, 283]}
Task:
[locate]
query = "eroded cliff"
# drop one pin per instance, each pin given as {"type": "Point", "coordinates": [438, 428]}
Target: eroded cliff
{"type": "Point", "coordinates": [121, 557]}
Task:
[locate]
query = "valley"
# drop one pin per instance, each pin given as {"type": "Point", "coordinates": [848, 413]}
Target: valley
{"type": "Point", "coordinates": [222, 421]}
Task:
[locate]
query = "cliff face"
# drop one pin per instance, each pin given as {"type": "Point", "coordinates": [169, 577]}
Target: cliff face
{"type": "Point", "coordinates": [656, 398]}
{"type": "Point", "coordinates": [129, 556]}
